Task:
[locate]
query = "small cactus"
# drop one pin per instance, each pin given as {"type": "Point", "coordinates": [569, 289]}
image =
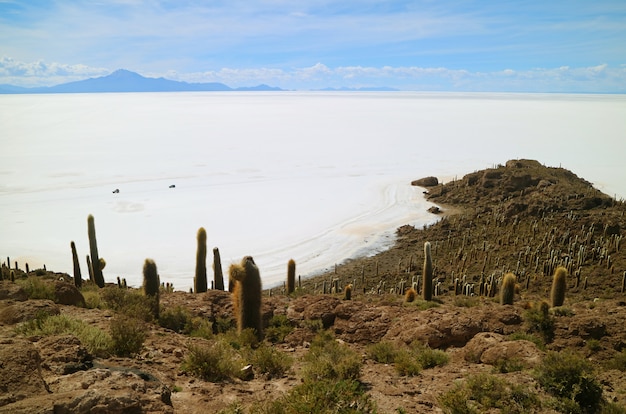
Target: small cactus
{"type": "Point", "coordinates": [507, 292]}
{"type": "Point", "coordinates": [410, 295]}
{"type": "Point", "coordinates": [78, 281]}
{"type": "Point", "coordinates": [427, 274]}
{"type": "Point", "coordinates": [557, 294]}
{"type": "Point", "coordinates": [347, 292]}
{"type": "Point", "coordinates": [291, 276]}
{"type": "Point", "coordinates": [218, 276]}
{"type": "Point", "coordinates": [98, 278]}
{"type": "Point", "coordinates": [247, 295]}
{"type": "Point", "coordinates": [151, 285]}
{"type": "Point", "coordinates": [199, 281]}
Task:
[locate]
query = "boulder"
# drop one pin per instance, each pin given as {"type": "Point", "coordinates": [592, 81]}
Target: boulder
{"type": "Point", "coordinates": [67, 294]}
{"type": "Point", "coordinates": [20, 371]}
{"type": "Point", "coordinates": [490, 348]}
{"type": "Point", "coordinates": [26, 311]}
{"type": "Point", "coordinates": [63, 354]}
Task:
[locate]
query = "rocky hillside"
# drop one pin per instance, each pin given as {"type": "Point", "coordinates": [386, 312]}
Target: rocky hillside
{"type": "Point", "coordinates": [102, 350]}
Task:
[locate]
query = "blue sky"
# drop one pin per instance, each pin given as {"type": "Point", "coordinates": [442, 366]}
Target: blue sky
{"type": "Point", "coordinates": [499, 45]}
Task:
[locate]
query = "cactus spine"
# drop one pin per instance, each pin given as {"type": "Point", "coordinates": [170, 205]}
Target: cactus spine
{"type": "Point", "coordinates": [291, 276]}
{"type": "Point", "coordinates": [199, 281]}
{"type": "Point", "coordinates": [151, 285]}
{"type": "Point", "coordinates": [218, 276]}
{"type": "Point", "coordinates": [247, 295]}
{"type": "Point", "coordinates": [98, 278]}
{"type": "Point", "coordinates": [78, 279]}
{"type": "Point", "coordinates": [557, 294]}
{"type": "Point", "coordinates": [507, 292]}
{"type": "Point", "coordinates": [427, 274]}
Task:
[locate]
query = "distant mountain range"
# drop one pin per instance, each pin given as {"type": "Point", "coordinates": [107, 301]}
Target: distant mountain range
{"type": "Point", "coordinates": [126, 81]}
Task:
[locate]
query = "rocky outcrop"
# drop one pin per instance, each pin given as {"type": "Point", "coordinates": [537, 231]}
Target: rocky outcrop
{"type": "Point", "coordinates": [12, 291]}
{"type": "Point", "coordinates": [26, 311]}
{"type": "Point", "coordinates": [98, 391]}
{"type": "Point", "coordinates": [63, 354]}
{"type": "Point", "coordinates": [426, 182]}
{"type": "Point", "coordinates": [20, 371]}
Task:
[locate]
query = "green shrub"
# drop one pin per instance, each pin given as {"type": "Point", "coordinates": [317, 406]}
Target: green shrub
{"type": "Point", "coordinates": [37, 288]}
{"type": "Point", "coordinates": [618, 361]}
{"type": "Point", "coordinates": [279, 327]}
{"type": "Point", "coordinates": [270, 362]}
{"type": "Point", "coordinates": [128, 335]}
{"type": "Point", "coordinates": [484, 392]}
{"type": "Point", "coordinates": [506, 365]}
{"type": "Point", "coordinates": [569, 378]}
{"type": "Point", "coordinates": [314, 325]}
{"type": "Point", "coordinates": [383, 352]}
{"type": "Point", "coordinates": [327, 359]}
{"type": "Point", "coordinates": [97, 342]}
{"type": "Point", "coordinates": [321, 397]}
{"type": "Point", "coordinates": [128, 302]}
{"type": "Point", "coordinates": [466, 301]}
{"type": "Point", "coordinates": [538, 320]}
{"type": "Point", "coordinates": [406, 364]}
{"type": "Point", "coordinates": [215, 361]}
{"type": "Point", "coordinates": [200, 328]}
{"type": "Point", "coordinates": [176, 319]}
{"type": "Point", "coordinates": [523, 336]}
{"type": "Point", "coordinates": [427, 357]}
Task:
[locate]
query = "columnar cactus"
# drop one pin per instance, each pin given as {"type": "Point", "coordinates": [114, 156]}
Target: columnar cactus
{"type": "Point", "coordinates": [247, 295]}
{"type": "Point", "coordinates": [199, 281]}
{"type": "Point", "coordinates": [291, 276]}
{"type": "Point", "coordinates": [218, 276]}
{"type": "Point", "coordinates": [507, 292]}
{"type": "Point", "coordinates": [93, 250]}
{"type": "Point", "coordinates": [78, 280]}
{"type": "Point", "coordinates": [90, 269]}
{"type": "Point", "coordinates": [151, 285]}
{"type": "Point", "coordinates": [557, 294]}
{"type": "Point", "coordinates": [427, 274]}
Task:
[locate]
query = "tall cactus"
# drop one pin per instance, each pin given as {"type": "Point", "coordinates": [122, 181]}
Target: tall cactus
{"type": "Point", "coordinates": [93, 251]}
{"type": "Point", "coordinates": [151, 285]}
{"type": "Point", "coordinates": [90, 269]}
{"type": "Point", "coordinates": [199, 282]}
{"type": "Point", "coordinates": [507, 292]}
{"type": "Point", "coordinates": [557, 294]}
{"type": "Point", "coordinates": [247, 295]}
{"type": "Point", "coordinates": [218, 276]}
{"type": "Point", "coordinates": [78, 279]}
{"type": "Point", "coordinates": [427, 274]}
{"type": "Point", "coordinates": [291, 276]}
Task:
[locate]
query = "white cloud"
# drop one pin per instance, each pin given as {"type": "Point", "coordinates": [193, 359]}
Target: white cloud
{"type": "Point", "coordinates": [601, 78]}
{"type": "Point", "coordinates": [40, 73]}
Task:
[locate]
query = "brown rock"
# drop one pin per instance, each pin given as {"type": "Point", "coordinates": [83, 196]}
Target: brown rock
{"type": "Point", "coordinates": [63, 354]}
{"type": "Point", "coordinates": [360, 323]}
{"type": "Point", "coordinates": [426, 182]}
{"type": "Point", "coordinates": [490, 348]}
{"type": "Point", "coordinates": [20, 371]}
{"type": "Point", "coordinates": [320, 307]}
{"type": "Point", "coordinates": [67, 294]}
{"type": "Point", "coordinates": [26, 311]}
{"type": "Point", "coordinates": [9, 290]}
